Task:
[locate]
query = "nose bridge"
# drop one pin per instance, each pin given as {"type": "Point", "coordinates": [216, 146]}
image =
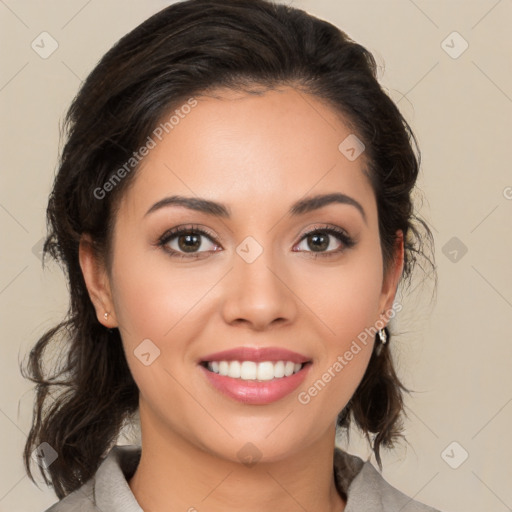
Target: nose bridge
{"type": "Point", "coordinates": [256, 292]}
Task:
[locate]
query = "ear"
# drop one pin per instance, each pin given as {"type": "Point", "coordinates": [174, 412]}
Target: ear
{"type": "Point", "coordinates": [393, 274]}
{"type": "Point", "coordinates": [97, 282]}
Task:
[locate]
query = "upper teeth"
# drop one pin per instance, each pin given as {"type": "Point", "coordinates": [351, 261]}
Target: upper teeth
{"type": "Point", "coordinates": [250, 370]}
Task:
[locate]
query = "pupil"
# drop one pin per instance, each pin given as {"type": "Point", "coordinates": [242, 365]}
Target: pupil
{"type": "Point", "coordinates": [321, 245]}
{"type": "Point", "coordinates": [191, 242]}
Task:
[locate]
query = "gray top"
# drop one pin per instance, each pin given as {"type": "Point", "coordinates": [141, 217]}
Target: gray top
{"type": "Point", "coordinates": [108, 490]}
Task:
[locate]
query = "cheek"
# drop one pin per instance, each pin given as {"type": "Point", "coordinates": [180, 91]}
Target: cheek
{"type": "Point", "coordinates": [347, 302]}
{"type": "Point", "coordinates": [156, 301]}
{"type": "Point", "coordinates": [153, 295]}
{"type": "Point", "coordinates": [346, 298]}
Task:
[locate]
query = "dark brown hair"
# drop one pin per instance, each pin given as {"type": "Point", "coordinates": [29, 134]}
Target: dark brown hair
{"type": "Point", "coordinates": [187, 49]}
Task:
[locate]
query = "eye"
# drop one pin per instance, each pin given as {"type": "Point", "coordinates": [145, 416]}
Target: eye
{"type": "Point", "coordinates": [185, 242]}
{"type": "Point", "coordinates": [319, 240]}
{"type": "Point", "coordinates": [193, 241]}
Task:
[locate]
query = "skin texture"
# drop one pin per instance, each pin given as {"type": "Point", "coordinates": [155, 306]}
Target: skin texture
{"type": "Point", "coordinates": [257, 155]}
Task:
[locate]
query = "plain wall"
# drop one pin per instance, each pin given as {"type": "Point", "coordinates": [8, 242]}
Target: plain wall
{"type": "Point", "coordinates": [455, 352]}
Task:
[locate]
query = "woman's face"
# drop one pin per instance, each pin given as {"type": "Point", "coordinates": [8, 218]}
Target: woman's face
{"type": "Point", "coordinates": [262, 277]}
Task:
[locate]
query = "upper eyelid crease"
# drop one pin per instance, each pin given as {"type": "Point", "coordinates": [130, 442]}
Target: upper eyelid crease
{"type": "Point", "coordinates": [336, 232]}
{"type": "Point", "coordinates": [213, 208]}
{"type": "Point", "coordinates": [195, 228]}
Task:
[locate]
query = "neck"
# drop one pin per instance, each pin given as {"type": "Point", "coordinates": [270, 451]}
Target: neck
{"type": "Point", "coordinates": [174, 474]}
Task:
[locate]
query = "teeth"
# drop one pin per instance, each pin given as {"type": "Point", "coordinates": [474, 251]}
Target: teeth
{"type": "Point", "coordinates": [250, 370]}
{"type": "Point", "coordinates": [234, 369]}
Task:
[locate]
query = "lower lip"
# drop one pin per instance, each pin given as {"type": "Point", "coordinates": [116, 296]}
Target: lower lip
{"type": "Point", "coordinates": [254, 392]}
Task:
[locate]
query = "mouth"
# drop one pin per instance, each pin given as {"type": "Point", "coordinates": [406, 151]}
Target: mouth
{"type": "Point", "coordinates": [255, 376]}
{"type": "Point", "coordinates": [253, 370]}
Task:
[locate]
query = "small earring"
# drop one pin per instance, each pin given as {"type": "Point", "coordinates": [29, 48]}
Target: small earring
{"type": "Point", "coordinates": [383, 336]}
{"type": "Point", "coordinates": [105, 315]}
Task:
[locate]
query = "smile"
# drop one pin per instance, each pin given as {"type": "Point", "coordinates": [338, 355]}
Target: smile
{"type": "Point", "coordinates": [255, 375]}
{"type": "Point", "coordinates": [252, 370]}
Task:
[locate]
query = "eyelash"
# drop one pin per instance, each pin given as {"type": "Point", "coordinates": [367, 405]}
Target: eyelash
{"type": "Point", "coordinates": [338, 233]}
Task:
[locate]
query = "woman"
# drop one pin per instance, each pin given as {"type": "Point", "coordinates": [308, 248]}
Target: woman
{"type": "Point", "coordinates": [233, 210]}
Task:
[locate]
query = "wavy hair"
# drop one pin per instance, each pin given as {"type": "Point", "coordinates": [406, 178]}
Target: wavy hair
{"type": "Point", "coordinates": [186, 49]}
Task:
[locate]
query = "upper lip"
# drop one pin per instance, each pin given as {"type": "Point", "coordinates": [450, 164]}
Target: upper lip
{"type": "Point", "coordinates": [256, 355]}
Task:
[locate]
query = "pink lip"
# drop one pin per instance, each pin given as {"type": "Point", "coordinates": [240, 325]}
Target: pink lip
{"type": "Point", "coordinates": [254, 392]}
{"type": "Point", "coordinates": [257, 355]}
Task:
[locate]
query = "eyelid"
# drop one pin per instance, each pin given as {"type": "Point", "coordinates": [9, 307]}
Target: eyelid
{"type": "Point", "coordinates": [176, 231]}
{"type": "Point", "coordinates": [341, 234]}
{"type": "Point", "coordinates": [186, 228]}
{"type": "Point", "coordinates": [319, 226]}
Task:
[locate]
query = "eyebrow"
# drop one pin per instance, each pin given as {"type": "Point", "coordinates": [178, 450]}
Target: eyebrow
{"type": "Point", "coordinates": [213, 208]}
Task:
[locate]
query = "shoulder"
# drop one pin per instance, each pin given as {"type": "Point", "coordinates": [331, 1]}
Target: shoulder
{"type": "Point", "coordinates": [81, 500]}
{"type": "Point", "coordinates": [108, 489]}
{"type": "Point", "coordinates": [367, 490]}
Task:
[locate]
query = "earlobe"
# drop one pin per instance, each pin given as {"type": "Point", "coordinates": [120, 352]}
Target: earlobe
{"type": "Point", "coordinates": [97, 282]}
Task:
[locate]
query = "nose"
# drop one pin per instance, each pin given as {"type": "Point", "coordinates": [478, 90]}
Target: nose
{"type": "Point", "coordinates": [258, 294]}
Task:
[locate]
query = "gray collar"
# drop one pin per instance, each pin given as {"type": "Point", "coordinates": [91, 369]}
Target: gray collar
{"type": "Point", "coordinates": [357, 481]}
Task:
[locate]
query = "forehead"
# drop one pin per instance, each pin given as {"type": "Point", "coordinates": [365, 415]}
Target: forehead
{"type": "Point", "coordinates": [262, 151]}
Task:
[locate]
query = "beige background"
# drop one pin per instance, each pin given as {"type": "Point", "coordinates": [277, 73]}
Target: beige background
{"type": "Point", "coordinates": [456, 353]}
